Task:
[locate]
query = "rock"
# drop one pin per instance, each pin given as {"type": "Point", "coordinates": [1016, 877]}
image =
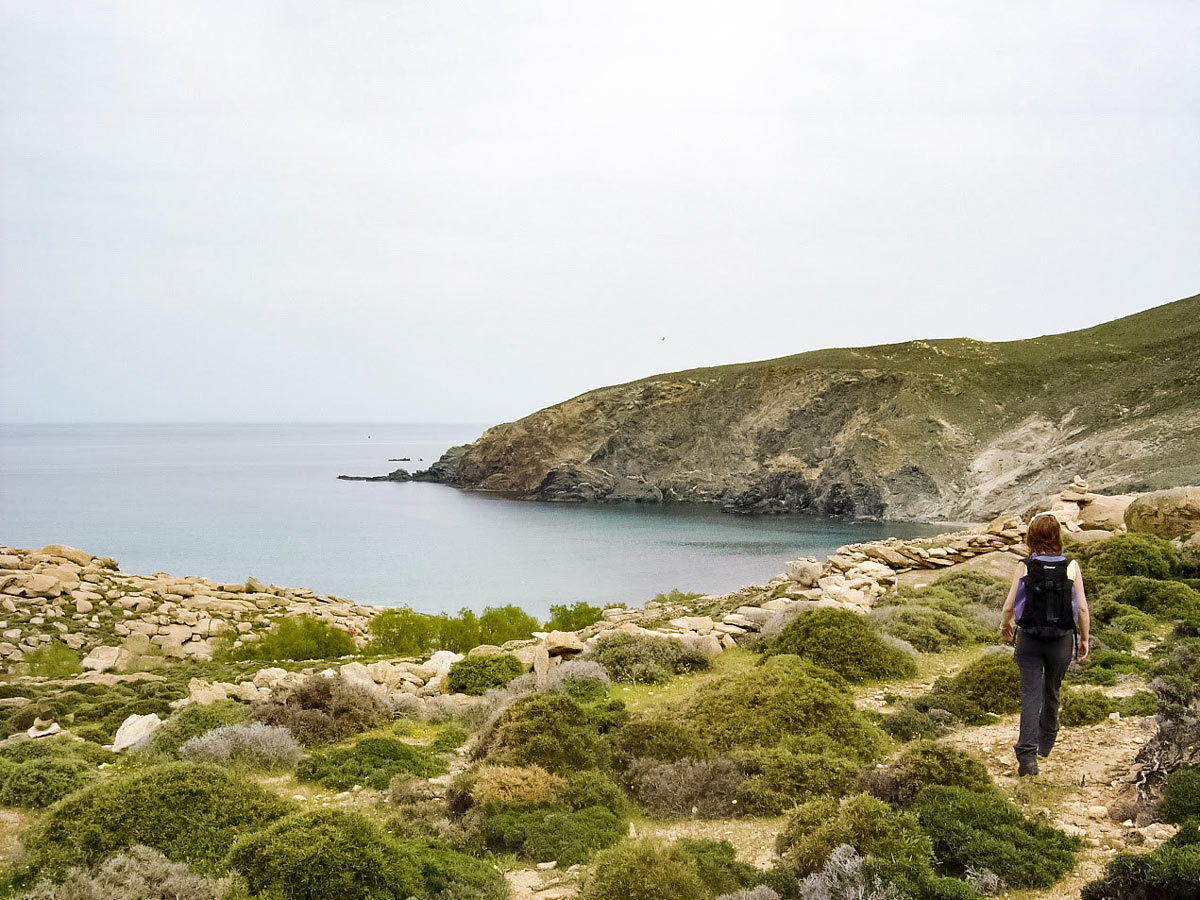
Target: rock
{"type": "Point", "coordinates": [137, 643]}
{"type": "Point", "coordinates": [79, 557]}
{"type": "Point", "coordinates": [804, 572]}
{"type": "Point", "coordinates": [700, 624]}
{"type": "Point", "coordinates": [101, 659]}
{"type": "Point", "coordinates": [83, 606]}
{"type": "Point", "coordinates": [1099, 813]}
{"type": "Point", "coordinates": [559, 643]}
{"type": "Point", "coordinates": [358, 675]}
{"type": "Point", "coordinates": [1104, 511]}
{"type": "Point", "coordinates": [268, 678]}
{"type": "Point", "coordinates": [441, 662]}
{"type": "Point", "coordinates": [203, 693]}
{"type": "Point", "coordinates": [484, 650]}
{"type": "Point", "coordinates": [707, 645]}
{"type": "Point", "coordinates": [136, 732]}
{"type": "Point", "coordinates": [41, 584]}
{"type": "Point", "coordinates": [541, 663]}
{"type": "Point", "coordinates": [1168, 514]}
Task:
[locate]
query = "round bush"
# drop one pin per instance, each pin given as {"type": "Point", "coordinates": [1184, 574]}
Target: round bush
{"type": "Point", "coordinates": [323, 709]}
{"type": "Point", "coordinates": [973, 829]}
{"type": "Point", "coordinates": [250, 744]}
{"type": "Point", "coordinates": [41, 782]}
{"type": "Point", "coordinates": [299, 637]}
{"type": "Point", "coordinates": [644, 659]}
{"type": "Point", "coordinates": [550, 730]}
{"type": "Point", "coordinates": [868, 825]}
{"type": "Point", "coordinates": [372, 762]}
{"type": "Point", "coordinates": [477, 674]}
{"type": "Point", "coordinates": [920, 765]}
{"type": "Point", "coordinates": [1084, 707]}
{"type": "Point", "coordinates": [137, 874]}
{"type": "Point", "coordinates": [843, 642]}
{"type": "Point", "coordinates": [511, 785]}
{"type": "Point", "coordinates": [189, 812]}
{"type": "Point", "coordinates": [545, 834]}
{"type": "Point", "coordinates": [797, 770]}
{"type": "Point", "coordinates": [329, 854]}
{"type": "Point", "coordinates": [992, 682]}
{"type": "Point", "coordinates": [655, 737]}
{"type": "Point", "coordinates": [706, 788]}
{"type": "Point", "coordinates": [194, 720]}
{"type": "Point", "coordinates": [929, 630]}
{"type": "Point", "coordinates": [644, 870]}
{"type": "Point", "coordinates": [784, 696]}
{"type": "Point", "coordinates": [1169, 872]}
{"type": "Point", "coordinates": [1131, 554]}
{"type": "Point", "coordinates": [1181, 794]}
{"type": "Point", "coordinates": [1161, 599]}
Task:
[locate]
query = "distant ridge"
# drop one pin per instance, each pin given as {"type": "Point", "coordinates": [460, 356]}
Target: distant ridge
{"type": "Point", "coordinates": [927, 429]}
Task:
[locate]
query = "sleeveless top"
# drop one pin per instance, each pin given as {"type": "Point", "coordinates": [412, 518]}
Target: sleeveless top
{"type": "Point", "coordinates": [1072, 571]}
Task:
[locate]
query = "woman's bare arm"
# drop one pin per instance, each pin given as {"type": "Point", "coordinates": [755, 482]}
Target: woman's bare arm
{"type": "Point", "coordinates": [1006, 614]}
{"type": "Point", "coordinates": [1084, 617]}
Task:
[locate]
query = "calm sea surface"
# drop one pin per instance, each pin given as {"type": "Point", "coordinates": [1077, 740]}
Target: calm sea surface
{"type": "Point", "coordinates": [230, 501]}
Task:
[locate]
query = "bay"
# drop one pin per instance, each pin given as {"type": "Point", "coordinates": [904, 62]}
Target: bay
{"type": "Point", "coordinates": [229, 501]}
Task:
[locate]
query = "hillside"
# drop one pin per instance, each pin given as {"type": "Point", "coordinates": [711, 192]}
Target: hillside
{"type": "Point", "coordinates": [948, 428]}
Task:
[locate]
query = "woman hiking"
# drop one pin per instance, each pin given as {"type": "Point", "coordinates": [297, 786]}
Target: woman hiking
{"type": "Point", "coordinates": [1047, 603]}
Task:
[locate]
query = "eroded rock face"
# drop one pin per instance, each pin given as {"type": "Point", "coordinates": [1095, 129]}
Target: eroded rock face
{"type": "Point", "coordinates": [136, 732]}
{"type": "Point", "coordinates": [1168, 514]}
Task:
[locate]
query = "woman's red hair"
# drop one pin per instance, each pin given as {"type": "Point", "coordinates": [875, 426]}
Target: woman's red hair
{"type": "Point", "coordinates": [1044, 536]}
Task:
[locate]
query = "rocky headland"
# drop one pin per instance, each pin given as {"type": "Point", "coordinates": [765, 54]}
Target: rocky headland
{"type": "Point", "coordinates": [954, 430]}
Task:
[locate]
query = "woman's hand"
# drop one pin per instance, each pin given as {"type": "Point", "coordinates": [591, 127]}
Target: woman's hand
{"type": "Point", "coordinates": [1084, 648]}
{"type": "Point", "coordinates": [1007, 631]}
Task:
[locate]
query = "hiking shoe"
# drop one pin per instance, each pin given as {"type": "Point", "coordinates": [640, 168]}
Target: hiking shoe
{"type": "Point", "coordinates": [1026, 767]}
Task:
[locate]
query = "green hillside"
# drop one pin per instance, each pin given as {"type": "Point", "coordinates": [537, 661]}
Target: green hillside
{"type": "Point", "coordinates": [947, 428]}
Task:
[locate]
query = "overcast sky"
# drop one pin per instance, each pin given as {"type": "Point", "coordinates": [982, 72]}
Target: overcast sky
{"type": "Point", "coordinates": [464, 211]}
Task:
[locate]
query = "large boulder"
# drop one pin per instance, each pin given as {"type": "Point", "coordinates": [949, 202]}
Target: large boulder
{"type": "Point", "coordinates": [101, 659]}
{"type": "Point", "coordinates": [1104, 511]}
{"type": "Point", "coordinates": [1172, 513]}
{"type": "Point", "coordinates": [135, 732]}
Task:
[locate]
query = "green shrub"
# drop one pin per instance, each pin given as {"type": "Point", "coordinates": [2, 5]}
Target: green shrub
{"type": "Point", "coordinates": [645, 870]}
{"type": "Point", "coordinates": [910, 724]}
{"type": "Point", "coordinates": [322, 709]}
{"type": "Point", "coordinates": [448, 739]}
{"type": "Point", "coordinates": [401, 631]}
{"type": "Point", "coordinates": [40, 782]}
{"type": "Point", "coordinates": [717, 865]}
{"type": "Point", "coordinates": [1103, 666]}
{"type": "Point", "coordinates": [1140, 703]}
{"type": "Point", "coordinates": [931, 630]}
{"type": "Point", "coordinates": [52, 660]}
{"type": "Point", "coordinates": [592, 787]}
{"type": "Point", "coordinates": [1161, 599]}
{"type": "Point", "coordinates": [58, 747]}
{"type": "Point", "coordinates": [663, 739]}
{"type": "Point", "coordinates": [191, 813]}
{"type": "Point", "coordinates": [546, 833]}
{"type": "Point", "coordinates": [550, 730]}
{"type": "Point", "coordinates": [449, 875]}
{"type": "Point", "coordinates": [644, 659]}
{"type": "Point", "coordinates": [796, 770]}
{"type": "Point", "coordinates": [97, 709]}
{"type": "Point", "coordinates": [371, 762]}
{"type": "Point", "coordinates": [868, 825]}
{"type": "Point", "coordinates": [784, 696]}
{"type": "Point", "coordinates": [1181, 794]}
{"type": "Point", "coordinates": [572, 618]}
{"type": "Point", "coordinates": [975, 587]}
{"type": "Point", "coordinates": [992, 682]}
{"type": "Point", "coordinates": [1084, 707]}
{"type": "Point", "coordinates": [1131, 554]}
{"type": "Point", "coordinates": [505, 623]}
{"type": "Point", "coordinates": [1113, 639]}
{"type": "Point", "coordinates": [843, 642]}
{"type": "Point", "coordinates": [476, 674]}
{"type": "Point", "coordinates": [1169, 872]}
{"type": "Point", "coordinates": [981, 830]}
{"type": "Point", "coordinates": [329, 854]}
{"type": "Point", "coordinates": [1133, 623]}
{"type": "Point", "coordinates": [297, 638]}
{"type": "Point", "coordinates": [920, 765]}
{"type": "Point", "coordinates": [459, 633]}
{"type": "Point", "coordinates": [194, 720]}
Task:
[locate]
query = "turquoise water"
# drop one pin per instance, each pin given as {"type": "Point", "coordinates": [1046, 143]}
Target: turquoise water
{"type": "Point", "coordinates": [231, 501]}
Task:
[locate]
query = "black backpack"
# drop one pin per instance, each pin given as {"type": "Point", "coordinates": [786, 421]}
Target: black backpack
{"type": "Point", "coordinates": [1048, 612]}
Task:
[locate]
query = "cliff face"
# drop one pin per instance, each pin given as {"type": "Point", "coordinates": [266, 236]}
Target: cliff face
{"type": "Point", "coordinates": [926, 429]}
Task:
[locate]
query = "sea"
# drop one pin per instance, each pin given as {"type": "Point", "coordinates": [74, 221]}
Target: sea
{"type": "Point", "coordinates": [229, 501]}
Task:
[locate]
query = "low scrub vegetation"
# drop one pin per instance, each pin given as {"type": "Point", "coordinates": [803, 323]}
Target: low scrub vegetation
{"type": "Point", "coordinates": [845, 643]}
{"type": "Point", "coordinates": [323, 709]}
{"type": "Point", "coordinates": [253, 745]}
{"type": "Point", "coordinates": [550, 730]}
{"type": "Point", "coordinates": [52, 660]}
{"type": "Point", "coordinates": [644, 659]}
{"type": "Point", "coordinates": [404, 632]}
{"type": "Point", "coordinates": [369, 762]}
{"type": "Point", "coordinates": [295, 638]}
{"type": "Point", "coordinates": [1169, 872]}
{"type": "Point", "coordinates": [138, 873]}
{"type": "Point", "coordinates": [920, 765]}
{"type": "Point", "coordinates": [194, 720]}
{"type": "Point", "coordinates": [477, 674]}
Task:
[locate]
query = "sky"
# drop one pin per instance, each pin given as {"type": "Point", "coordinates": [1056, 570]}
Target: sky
{"type": "Point", "coordinates": [465, 211]}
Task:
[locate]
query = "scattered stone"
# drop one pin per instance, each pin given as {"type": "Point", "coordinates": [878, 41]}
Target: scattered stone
{"type": "Point", "coordinates": [136, 732]}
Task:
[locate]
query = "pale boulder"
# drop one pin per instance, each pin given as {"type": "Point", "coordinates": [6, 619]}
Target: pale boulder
{"type": "Point", "coordinates": [267, 679]}
{"type": "Point", "coordinates": [441, 662]}
{"type": "Point", "coordinates": [804, 572]}
{"type": "Point", "coordinates": [1104, 511]}
{"type": "Point", "coordinates": [358, 675]}
{"type": "Point", "coordinates": [559, 643]}
{"type": "Point", "coordinates": [136, 732]}
{"type": "Point", "coordinates": [1168, 514]}
{"type": "Point", "coordinates": [101, 659]}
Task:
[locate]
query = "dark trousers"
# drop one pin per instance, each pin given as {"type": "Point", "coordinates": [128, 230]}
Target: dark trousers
{"type": "Point", "coordinates": [1043, 665]}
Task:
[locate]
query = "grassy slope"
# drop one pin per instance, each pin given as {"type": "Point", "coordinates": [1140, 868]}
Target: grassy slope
{"type": "Point", "coordinates": [922, 424]}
